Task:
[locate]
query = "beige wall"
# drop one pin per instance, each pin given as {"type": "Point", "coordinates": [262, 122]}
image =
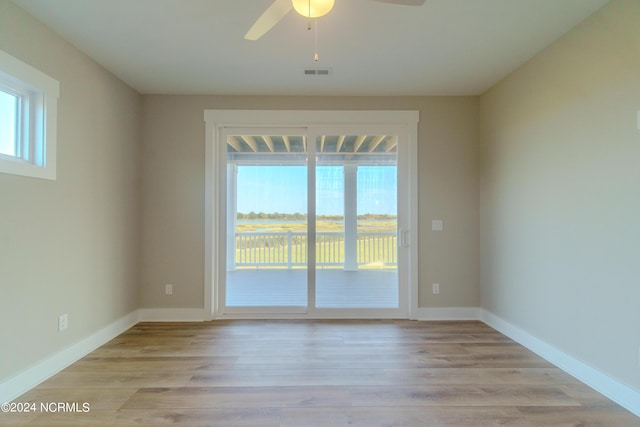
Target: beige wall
{"type": "Point", "coordinates": [173, 191]}
{"type": "Point", "coordinates": [70, 245]}
{"type": "Point", "coordinates": [560, 194]}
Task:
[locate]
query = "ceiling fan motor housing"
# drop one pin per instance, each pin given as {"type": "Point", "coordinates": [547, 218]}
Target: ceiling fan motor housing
{"type": "Point", "coordinates": [312, 8]}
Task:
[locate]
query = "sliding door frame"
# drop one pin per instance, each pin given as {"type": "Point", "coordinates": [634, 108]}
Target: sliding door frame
{"type": "Point", "coordinates": [314, 123]}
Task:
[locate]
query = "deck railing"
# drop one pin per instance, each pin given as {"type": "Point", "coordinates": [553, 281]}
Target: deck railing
{"type": "Point", "coordinates": [289, 249]}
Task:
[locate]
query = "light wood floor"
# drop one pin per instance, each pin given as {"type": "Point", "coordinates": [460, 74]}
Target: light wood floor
{"type": "Point", "coordinates": [318, 373]}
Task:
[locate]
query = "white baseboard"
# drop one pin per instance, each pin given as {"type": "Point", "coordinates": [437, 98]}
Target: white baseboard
{"type": "Point", "coordinates": [620, 393]}
{"type": "Point", "coordinates": [447, 313]}
{"type": "Point", "coordinates": [172, 315]}
{"type": "Point", "coordinates": [26, 380]}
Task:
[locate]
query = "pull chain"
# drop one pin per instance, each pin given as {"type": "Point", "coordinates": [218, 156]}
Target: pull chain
{"type": "Point", "coordinates": [315, 57]}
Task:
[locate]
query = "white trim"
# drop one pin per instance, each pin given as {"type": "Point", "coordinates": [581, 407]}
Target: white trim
{"type": "Point", "coordinates": [337, 314]}
{"type": "Point", "coordinates": [24, 381]}
{"type": "Point", "coordinates": [412, 232]}
{"type": "Point", "coordinates": [210, 207]}
{"type": "Point", "coordinates": [172, 315]}
{"type": "Point", "coordinates": [447, 313]}
{"type": "Point", "coordinates": [620, 393]}
{"type": "Point", "coordinates": [313, 121]}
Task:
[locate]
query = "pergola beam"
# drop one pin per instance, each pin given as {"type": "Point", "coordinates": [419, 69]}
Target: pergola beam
{"type": "Point", "coordinates": [251, 142]}
{"type": "Point", "coordinates": [359, 141]}
{"type": "Point", "coordinates": [391, 144]}
{"type": "Point", "coordinates": [375, 142]}
{"type": "Point", "coordinates": [269, 142]}
{"type": "Point", "coordinates": [234, 143]}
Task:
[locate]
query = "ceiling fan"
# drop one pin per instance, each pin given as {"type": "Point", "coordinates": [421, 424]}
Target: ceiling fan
{"type": "Point", "coordinates": [307, 8]}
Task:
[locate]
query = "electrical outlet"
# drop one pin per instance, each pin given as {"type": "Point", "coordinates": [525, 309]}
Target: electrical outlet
{"type": "Point", "coordinates": [436, 288]}
{"type": "Point", "coordinates": [168, 289]}
{"type": "Point", "coordinates": [437, 225]}
{"type": "Point", "coordinates": [63, 322]}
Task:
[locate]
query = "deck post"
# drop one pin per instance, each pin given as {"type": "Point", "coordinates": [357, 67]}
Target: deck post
{"type": "Point", "coordinates": [232, 209]}
{"type": "Point", "coordinates": [350, 217]}
{"type": "Point", "coordinates": [289, 249]}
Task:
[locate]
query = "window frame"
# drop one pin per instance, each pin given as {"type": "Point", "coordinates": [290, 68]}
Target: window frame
{"type": "Point", "coordinates": [36, 122]}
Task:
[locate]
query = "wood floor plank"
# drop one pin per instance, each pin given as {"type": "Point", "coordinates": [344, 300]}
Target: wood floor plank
{"type": "Point", "coordinates": [238, 397]}
{"type": "Point", "coordinates": [460, 396]}
{"type": "Point", "coordinates": [402, 416]}
{"type": "Point", "coordinates": [183, 417]}
{"type": "Point", "coordinates": [115, 379]}
{"type": "Point", "coordinates": [151, 364]}
{"type": "Point", "coordinates": [290, 378]}
{"type": "Point", "coordinates": [318, 373]}
{"type": "Point", "coordinates": [17, 418]}
{"type": "Point", "coordinates": [380, 377]}
{"type": "Point", "coordinates": [480, 376]}
{"type": "Point", "coordinates": [483, 361]}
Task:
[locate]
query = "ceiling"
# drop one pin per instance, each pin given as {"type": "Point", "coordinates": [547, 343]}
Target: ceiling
{"type": "Point", "coordinates": [330, 149]}
{"type": "Point", "coordinates": [445, 47]}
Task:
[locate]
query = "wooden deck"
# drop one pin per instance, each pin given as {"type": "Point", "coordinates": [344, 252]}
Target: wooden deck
{"type": "Point", "coordinates": [317, 373]}
{"type": "Point", "coordinates": [335, 288]}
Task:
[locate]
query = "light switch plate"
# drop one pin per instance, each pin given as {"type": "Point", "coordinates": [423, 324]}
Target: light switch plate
{"type": "Point", "coordinates": [437, 225]}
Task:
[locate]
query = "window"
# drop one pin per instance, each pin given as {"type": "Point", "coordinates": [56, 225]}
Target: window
{"type": "Point", "coordinates": [28, 118]}
{"type": "Point", "coordinates": [8, 123]}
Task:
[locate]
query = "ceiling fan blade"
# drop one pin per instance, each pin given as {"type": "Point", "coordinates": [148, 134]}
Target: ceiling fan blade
{"type": "Point", "coordinates": [404, 2]}
{"type": "Point", "coordinates": [270, 17]}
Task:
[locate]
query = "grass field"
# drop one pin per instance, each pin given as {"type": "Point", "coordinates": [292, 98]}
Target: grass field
{"type": "Point", "coordinates": [321, 226]}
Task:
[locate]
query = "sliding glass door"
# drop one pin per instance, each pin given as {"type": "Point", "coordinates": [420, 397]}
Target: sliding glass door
{"type": "Point", "coordinates": [266, 244]}
{"type": "Point", "coordinates": [356, 222]}
{"type": "Point", "coordinates": [310, 222]}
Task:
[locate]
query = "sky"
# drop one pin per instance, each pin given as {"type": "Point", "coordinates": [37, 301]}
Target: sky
{"type": "Point", "coordinates": [7, 123]}
{"type": "Point", "coordinates": [283, 189]}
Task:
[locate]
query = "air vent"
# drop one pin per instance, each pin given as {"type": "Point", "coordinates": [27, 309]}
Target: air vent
{"type": "Point", "coordinates": [316, 72]}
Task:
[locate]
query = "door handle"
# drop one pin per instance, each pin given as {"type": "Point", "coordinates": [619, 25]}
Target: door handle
{"type": "Point", "coordinates": [404, 238]}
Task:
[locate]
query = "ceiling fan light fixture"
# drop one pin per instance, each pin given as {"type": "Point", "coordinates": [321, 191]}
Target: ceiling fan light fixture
{"type": "Point", "coordinates": [312, 8]}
